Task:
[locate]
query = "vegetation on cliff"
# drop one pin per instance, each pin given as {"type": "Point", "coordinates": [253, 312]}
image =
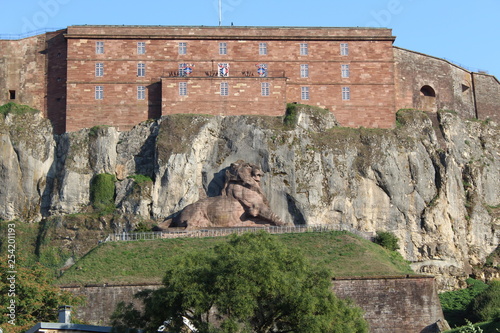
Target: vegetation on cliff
{"type": "Point", "coordinates": [252, 283]}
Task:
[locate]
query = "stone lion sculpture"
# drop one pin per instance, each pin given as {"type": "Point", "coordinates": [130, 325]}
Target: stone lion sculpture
{"type": "Point", "coordinates": [242, 203]}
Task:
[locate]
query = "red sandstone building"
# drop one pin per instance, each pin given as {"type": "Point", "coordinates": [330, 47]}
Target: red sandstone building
{"type": "Point", "coordinates": [84, 76]}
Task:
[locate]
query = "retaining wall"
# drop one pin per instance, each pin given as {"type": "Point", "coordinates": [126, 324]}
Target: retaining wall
{"type": "Point", "coordinates": [391, 304]}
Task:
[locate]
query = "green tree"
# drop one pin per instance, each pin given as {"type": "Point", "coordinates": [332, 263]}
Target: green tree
{"type": "Point", "coordinates": [28, 297]}
{"type": "Point", "coordinates": [387, 239]}
{"type": "Point", "coordinates": [252, 283]}
{"type": "Point", "coordinates": [486, 305]}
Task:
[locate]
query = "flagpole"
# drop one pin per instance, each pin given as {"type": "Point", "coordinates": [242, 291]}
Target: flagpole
{"type": "Point", "coordinates": [220, 13]}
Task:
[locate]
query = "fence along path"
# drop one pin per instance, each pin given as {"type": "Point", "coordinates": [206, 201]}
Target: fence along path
{"type": "Point", "coordinates": [220, 232]}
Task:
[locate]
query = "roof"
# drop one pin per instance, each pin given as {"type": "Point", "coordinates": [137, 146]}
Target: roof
{"type": "Point", "coordinates": [73, 327]}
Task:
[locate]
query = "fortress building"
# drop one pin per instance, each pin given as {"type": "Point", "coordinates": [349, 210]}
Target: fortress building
{"type": "Point", "coordinates": [84, 76]}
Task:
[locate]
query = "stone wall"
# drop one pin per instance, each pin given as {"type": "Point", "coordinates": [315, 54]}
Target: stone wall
{"type": "Point", "coordinates": [396, 305]}
{"type": "Point", "coordinates": [370, 80]}
{"type": "Point", "coordinates": [22, 71]}
{"type": "Point", "coordinates": [427, 83]}
{"type": "Point", "coordinates": [393, 304]}
{"type": "Point", "coordinates": [487, 96]}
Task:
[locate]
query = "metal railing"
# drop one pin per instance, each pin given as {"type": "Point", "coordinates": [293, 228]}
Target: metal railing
{"type": "Point", "coordinates": [28, 34]}
{"type": "Point", "coordinates": [221, 232]}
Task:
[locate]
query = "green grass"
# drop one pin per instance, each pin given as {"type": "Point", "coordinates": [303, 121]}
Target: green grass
{"type": "Point", "coordinates": [344, 254]}
{"type": "Point", "coordinates": [17, 109]}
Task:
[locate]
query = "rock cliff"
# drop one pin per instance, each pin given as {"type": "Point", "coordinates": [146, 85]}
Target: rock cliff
{"type": "Point", "coordinates": [434, 181]}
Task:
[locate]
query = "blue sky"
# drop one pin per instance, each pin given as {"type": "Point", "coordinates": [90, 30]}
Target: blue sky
{"type": "Point", "coordinates": [464, 32]}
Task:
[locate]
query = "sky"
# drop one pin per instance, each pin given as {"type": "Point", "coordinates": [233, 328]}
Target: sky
{"type": "Point", "coordinates": [464, 32]}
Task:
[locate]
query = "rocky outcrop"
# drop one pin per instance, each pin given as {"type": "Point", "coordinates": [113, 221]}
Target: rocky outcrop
{"type": "Point", "coordinates": [435, 185]}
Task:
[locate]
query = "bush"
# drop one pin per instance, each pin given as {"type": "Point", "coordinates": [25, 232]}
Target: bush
{"type": "Point", "coordinates": [470, 328]}
{"type": "Point", "coordinates": [17, 109]}
{"type": "Point", "coordinates": [387, 239]}
{"type": "Point", "coordinates": [486, 305]}
{"type": "Point", "coordinates": [455, 303]}
{"type": "Point", "coordinates": [102, 193]}
{"type": "Point", "coordinates": [290, 119]}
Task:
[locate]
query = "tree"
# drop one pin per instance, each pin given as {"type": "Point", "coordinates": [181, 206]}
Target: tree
{"type": "Point", "coordinates": [252, 283]}
{"type": "Point", "coordinates": [28, 296]}
{"type": "Point", "coordinates": [486, 305]}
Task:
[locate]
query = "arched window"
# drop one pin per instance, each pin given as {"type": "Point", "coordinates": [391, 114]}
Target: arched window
{"type": "Point", "coordinates": [427, 91]}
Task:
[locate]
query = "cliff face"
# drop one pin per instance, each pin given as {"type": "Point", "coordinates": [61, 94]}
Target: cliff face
{"type": "Point", "coordinates": [436, 186]}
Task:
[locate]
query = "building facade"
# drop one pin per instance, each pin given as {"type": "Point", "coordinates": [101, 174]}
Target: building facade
{"type": "Point", "coordinates": [84, 76]}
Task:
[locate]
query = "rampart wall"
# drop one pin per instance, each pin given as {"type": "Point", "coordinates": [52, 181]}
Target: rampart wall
{"type": "Point", "coordinates": [393, 304]}
{"type": "Point", "coordinates": [396, 305]}
{"type": "Point", "coordinates": [22, 71]}
{"type": "Point", "coordinates": [487, 96]}
{"type": "Point", "coordinates": [427, 83]}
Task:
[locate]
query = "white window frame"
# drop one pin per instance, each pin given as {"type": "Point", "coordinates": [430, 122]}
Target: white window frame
{"type": "Point", "coordinates": [182, 47]}
{"type": "Point", "coordinates": [141, 69]}
{"type": "Point", "coordinates": [304, 93]}
{"type": "Point", "coordinates": [262, 48]}
{"type": "Point", "coordinates": [99, 92]}
{"type": "Point", "coordinates": [224, 89]}
{"type": "Point", "coordinates": [346, 93]}
{"type": "Point", "coordinates": [345, 71]}
{"type": "Point", "coordinates": [99, 69]}
{"type": "Point", "coordinates": [344, 49]}
{"type": "Point", "coordinates": [141, 92]}
{"type": "Point", "coordinates": [182, 88]}
{"type": "Point", "coordinates": [99, 47]}
{"type": "Point", "coordinates": [304, 70]}
{"type": "Point", "coordinates": [264, 88]}
{"type": "Point", "coordinates": [304, 49]}
{"type": "Point", "coordinates": [141, 47]}
{"type": "Point", "coordinates": [222, 48]}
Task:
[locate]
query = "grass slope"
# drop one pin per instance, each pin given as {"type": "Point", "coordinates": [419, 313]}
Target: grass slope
{"type": "Point", "coordinates": [144, 261]}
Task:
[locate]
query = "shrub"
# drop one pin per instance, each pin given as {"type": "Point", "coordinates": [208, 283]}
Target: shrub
{"type": "Point", "coordinates": [387, 239]}
{"type": "Point", "coordinates": [486, 305]}
{"type": "Point", "coordinates": [469, 328]}
{"type": "Point", "coordinates": [290, 119]}
{"type": "Point", "coordinates": [17, 109]}
{"type": "Point", "coordinates": [455, 303]}
{"type": "Point", "coordinates": [139, 179]}
{"type": "Point", "coordinates": [102, 193]}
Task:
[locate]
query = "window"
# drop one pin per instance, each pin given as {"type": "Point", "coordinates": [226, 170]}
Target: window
{"type": "Point", "coordinates": [304, 49]}
{"type": "Point", "coordinates": [222, 48]}
{"type": "Point", "coordinates": [141, 47]}
{"type": "Point", "coordinates": [304, 93]}
{"type": "Point", "coordinates": [262, 48]}
{"type": "Point", "coordinates": [12, 94]}
{"type": "Point", "coordinates": [99, 69]}
{"type": "Point", "coordinates": [141, 92]}
{"type": "Point", "coordinates": [264, 88]}
{"type": "Point", "coordinates": [345, 70]}
{"type": "Point", "coordinates": [346, 93]}
{"type": "Point", "coordinates": [304, 70]}
{"type": "Point", "coordinates": [99, 47]}
{"type": "Point", "coordinates": [182, 47]}
{"type": "Point", "coordinates": [99, 92]}
{"type": "Point", "coordinates": [141, 69]}
{"type": "Point", "coordinates": [344, 49]}
{"type": "Point", "coordinates": [223, 69]}
{"type": "Point", "coordinates": [224, 89]}
{"type": "Point", "coordinates": [183, 89]}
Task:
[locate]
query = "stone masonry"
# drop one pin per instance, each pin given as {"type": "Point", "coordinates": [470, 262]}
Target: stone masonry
{"type": "Point", "coordinates": [84, 76]}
